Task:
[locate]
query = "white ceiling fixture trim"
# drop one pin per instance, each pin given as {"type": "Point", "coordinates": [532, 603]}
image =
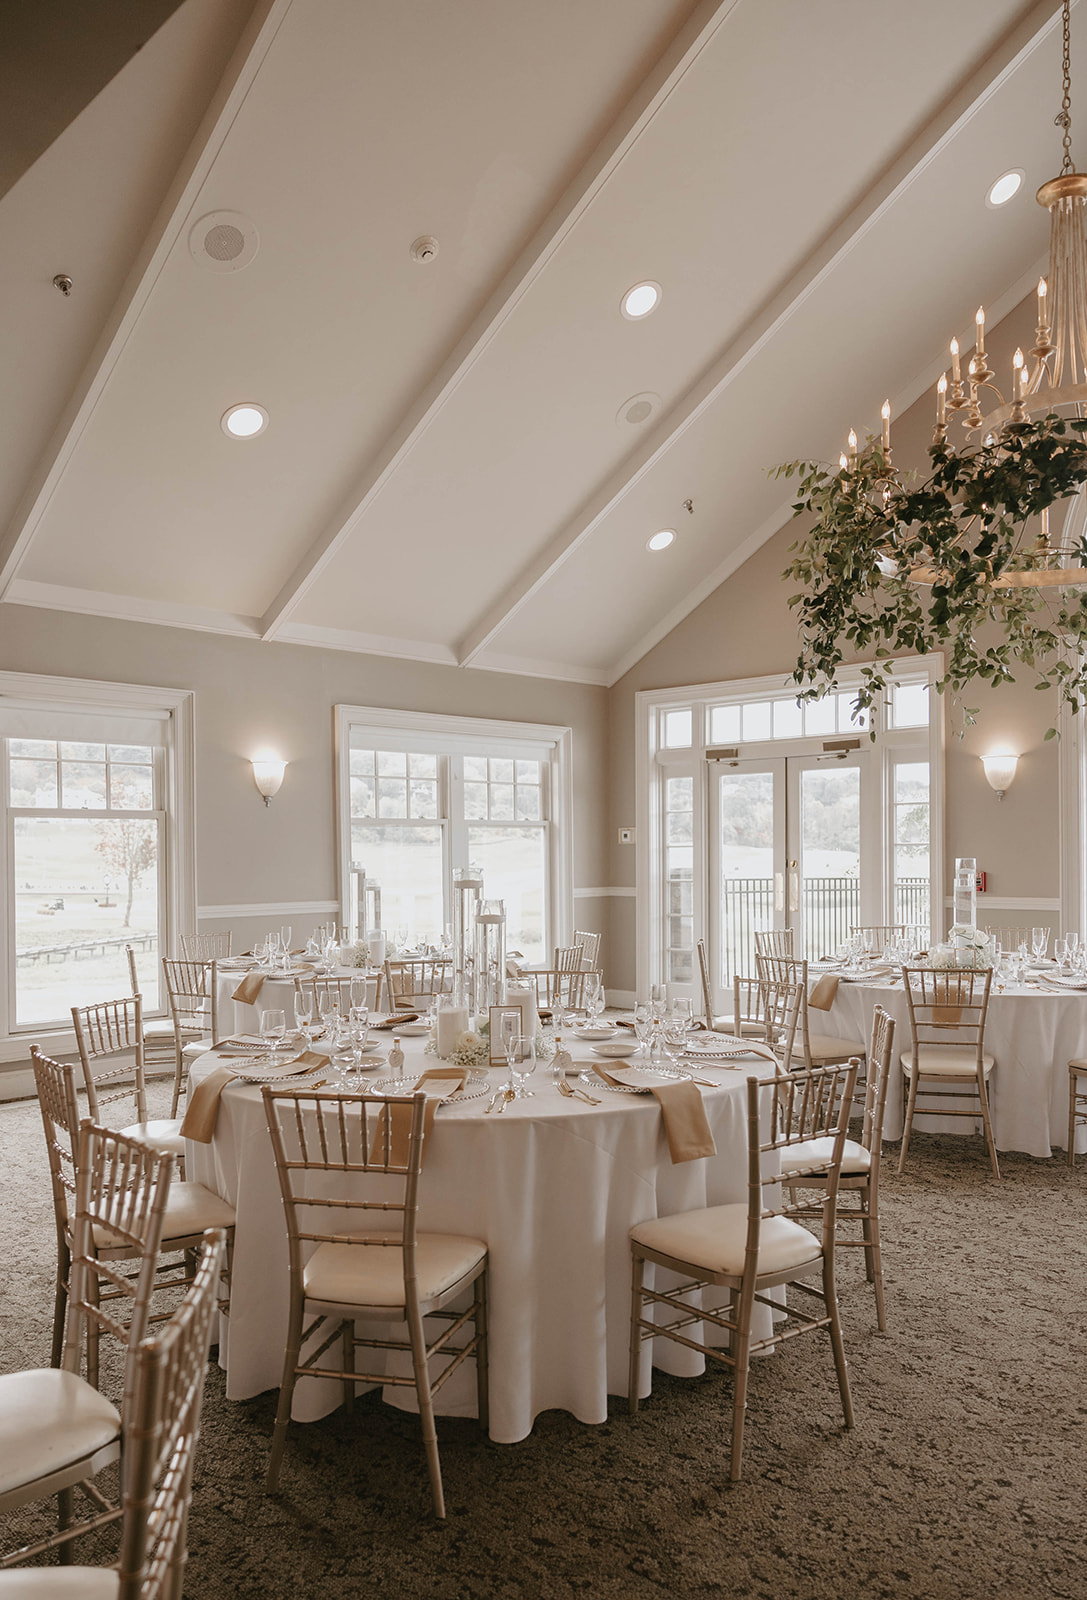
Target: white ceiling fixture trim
{"type": "Point", "coordinates": [653, 93]}
{"type": "Point", "coordinates": [960, 107]}
{"type": "Point", "coordinates": [174, 217]}
{"type": "Point", "coordinates": [128, 608]}
{"type": "Point", "coordinates": [369, 644]}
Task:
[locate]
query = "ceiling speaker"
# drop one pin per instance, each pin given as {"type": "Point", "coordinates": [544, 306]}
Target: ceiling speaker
{"type": "Point", "coordinates": [638, 410]}
{"type": "Point", "coordinates": [224, 241]}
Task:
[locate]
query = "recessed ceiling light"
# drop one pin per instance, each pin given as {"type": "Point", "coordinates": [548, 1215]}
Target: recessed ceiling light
{"type": "Point", "coordinates": [1005, 187]}
{"type": "Point", "coordinates": [640, 301]}
{"type": "Point", "coordinates": [661, 540]}
{"type": "Point", "coordinates": [245, 421]}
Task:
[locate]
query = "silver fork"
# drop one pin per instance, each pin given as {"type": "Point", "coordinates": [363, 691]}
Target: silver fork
{"type": "Point", "coordinates": [571, 1093]}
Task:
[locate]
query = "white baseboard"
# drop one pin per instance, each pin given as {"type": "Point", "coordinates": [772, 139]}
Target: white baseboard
{"type": "Point", "coordinates": [620, 999]}
{"type": "Point", "coordinates": [17, 1085]}
{"type": "Point", "coordinates": [286, 908]}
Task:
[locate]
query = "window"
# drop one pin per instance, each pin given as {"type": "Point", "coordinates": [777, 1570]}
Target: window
{"type": "Point", "coordinates": [427, 794]}
{"type": "Point", "coordinates": [97, 834]}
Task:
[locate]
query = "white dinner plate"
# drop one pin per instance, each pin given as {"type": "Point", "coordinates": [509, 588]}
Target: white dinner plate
{"type": "Point", "coordinates": [616, 1048]}
{"type": "Point", "coordinates": [412, 1030]}
{"type": "Point", "coordinates": [594, 1033]}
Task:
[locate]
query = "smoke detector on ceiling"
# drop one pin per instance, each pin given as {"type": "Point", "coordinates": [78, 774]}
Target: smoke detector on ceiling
{"type": "Point", "coordinates": [224, 241]}
{"type": "Point", "coordinates": [424, 248]}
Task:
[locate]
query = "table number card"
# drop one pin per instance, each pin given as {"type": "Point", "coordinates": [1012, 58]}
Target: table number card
{"type": "Point", "coordinates": [498, 1053]}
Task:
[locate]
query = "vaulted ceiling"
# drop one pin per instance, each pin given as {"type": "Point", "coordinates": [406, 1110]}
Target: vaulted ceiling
{"type": "Point", "coordinates": [466, 455]}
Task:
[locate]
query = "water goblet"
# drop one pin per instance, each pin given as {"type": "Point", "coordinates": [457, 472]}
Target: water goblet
{"type": "Point", "coordinates": [675, 1041]}
{"type": "Point", "coordinates": [1039, 939]}
{"type": "Point", "coordinates": [273, 1027]}
{"type": "Point", "coordinates": [513, 1045]}
{"type": "Point", "coordinates": [359, 991]}
{"type": "Point", "coordinates": [328, 1007]}
{"type": "Point", "coordinates": [643, 1024]}
{"type": "Point", "coordinates": [1060, 954]}
{"type": "Point", "coordinates": [358, 1030]}
{"type": "Point", "coordinates": [303, 1013]}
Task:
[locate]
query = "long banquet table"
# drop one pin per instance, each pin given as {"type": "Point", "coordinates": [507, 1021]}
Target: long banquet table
{"type": "Point", "coordinates": [1032, 1032]}
{"type": "Point", "coordinates": [553, 1186]}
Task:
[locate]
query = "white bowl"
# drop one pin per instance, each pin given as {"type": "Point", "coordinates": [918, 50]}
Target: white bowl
{"type": "Point", "coordinates": [617, 1048]}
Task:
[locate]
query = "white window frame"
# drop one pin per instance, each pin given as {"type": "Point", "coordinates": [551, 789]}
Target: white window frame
{"type": "Point", "coordinates": [442, 734]}
{"type": "Point", "coordinates": [31, 693]}
{"type": "Point", "coordinates": [651, 761]}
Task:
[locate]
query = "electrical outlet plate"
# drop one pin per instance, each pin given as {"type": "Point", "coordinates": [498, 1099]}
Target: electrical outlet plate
{"type": "Point", "coordinates": [626, 835]}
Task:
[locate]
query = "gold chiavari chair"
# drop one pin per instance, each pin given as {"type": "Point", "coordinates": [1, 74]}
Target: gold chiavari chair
{"type": "Point", "coordinates": [158, 1032]}
{"type": "Point", "coordinates": [749, 1249]}
{"type": "Point", "coordinates": [194, 1007]}
{"type": "Point", "coordinates": [190, 1207]}
{"type": "Point", "coordinates": [817, 1049]}
{"type": "Point", "coordinates": [774, 942]}
{"type": "Point", "coordinates": [861, 1161]}
{"type": "Point", "coordinates": [780, 1005]}
{"type": "Point", "coordinates": [58, 1432]}
{"type": "Point", "coordinates": [206, 946]}
{"type": "Point", "coordinates": [105, 1032]}
{"type": "Point", "coordinates": [1009, 939]}
{"type": "Point", "coordinates": [589, 945]}
{"type": "Point", "coordinates": [340, 988]}
{"type": "Point", "coordinates": [1077, 1104]}
{"type": "Point", "coordinates": [359, 1272]}
{"type": "Point", "coordinates": [159, 1435]}
{"type": "Point", "coordinates": [947, 1011]}
{"type": "Point", "coordinates": [558, 989]}
{"type": "Point", "coordinates": [416, 979]}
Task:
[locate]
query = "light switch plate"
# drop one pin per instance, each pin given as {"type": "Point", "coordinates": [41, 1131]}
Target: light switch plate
{"type": "Point", "coordinates": [626, 835]}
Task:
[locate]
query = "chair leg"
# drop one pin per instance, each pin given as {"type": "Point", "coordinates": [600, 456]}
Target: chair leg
{"type": "Point", "coordinates": [483, 1387]}
{"type": "Point", "coordinates": [286, 1393]}
{"type": "Point", "coordinates": [426, 1408]}
{"type": "Point", "coordinates": [65, 1504]}
{"type": "Point", "coordinates": [179, 1067]}
{"type": "Point", "coordinates": [636, 1302]}
{"type": "Point", "coordinates": [872, 1256]}
{"type": "Point", "coordinates": [347, 1339]}
{"type": "Point", "coordinates": [742, 1350]}
{"type": "Point", "coordinates": [60, 1302]}
{"type": "Point", "coordinates": [983, 1096]}
{"type": "Point", "coordinates": [841, 1366]}
{"type": "Point", "coordinates": [1072, 1082]}
{"type": "Point", "coordinates": [912, 1078]}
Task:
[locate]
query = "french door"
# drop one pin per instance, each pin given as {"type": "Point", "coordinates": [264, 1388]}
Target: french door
{"type": "Point", "coordinates": [794, 843]}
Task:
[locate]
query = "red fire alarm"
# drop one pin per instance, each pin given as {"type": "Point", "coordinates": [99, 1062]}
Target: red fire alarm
{"type": "Point", "coordinates": [981, 882]}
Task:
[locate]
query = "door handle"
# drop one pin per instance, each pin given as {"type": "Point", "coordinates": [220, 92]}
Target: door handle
{"type": "Point", "coordinates": [794, 888]}
{"type": "Point", "coordinates": [779, 891]}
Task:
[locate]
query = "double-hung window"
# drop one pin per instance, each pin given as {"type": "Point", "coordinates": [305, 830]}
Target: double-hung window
{"type": "Point", "coordinates": [94, 780]}
{"type": "Point", "coordinates": [421, 795]}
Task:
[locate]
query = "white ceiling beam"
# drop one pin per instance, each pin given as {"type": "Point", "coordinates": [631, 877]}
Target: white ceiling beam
{"type": "Point", "coordinates": [1034, 23]}
{"type": "Point", "coordinates": [174, 213]}
{"type": "Point", "coordinates": [652, 93]}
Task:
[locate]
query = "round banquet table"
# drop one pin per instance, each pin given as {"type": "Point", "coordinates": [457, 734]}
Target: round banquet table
{"type": "Point", "coordinates": [552, 1185]}
{"type": "Point", "coordinates": [235, 1016]}
{"type": "Point", "coordinates": [1032, 1033]}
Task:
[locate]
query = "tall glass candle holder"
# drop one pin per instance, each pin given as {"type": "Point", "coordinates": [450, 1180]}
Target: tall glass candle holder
{"type": "Point", "coordinates": [490, 956]}
{"type": "Point", "coordinates": [467, 895]}
{"type": "Point", "coordinates": [965, 893]}
{"type": "Point", "coordinates": [371, 900]}
{"type": "Point", "coordinates": [357, 911]}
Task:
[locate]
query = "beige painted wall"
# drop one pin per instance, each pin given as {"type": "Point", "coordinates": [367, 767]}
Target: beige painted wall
{"type": "Point", "coordinates": [745, 630]}
{"type": "Point", "coordinates": [251, 694]}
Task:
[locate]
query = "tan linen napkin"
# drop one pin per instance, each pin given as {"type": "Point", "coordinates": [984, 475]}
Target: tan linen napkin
{"type": "Point", "coordinates": [395, 1019]}
{"type": "Point", "coordinates": [823, 995]}
{"type": "Point", "coordinates": [249, 988]}
{"type": "Point", "coordinates": [685, 1126]}
{"type": "Point", "coordinates": [203, 1108]}
{"type": "Point", "coordinates": [397, 1114]}
{"type": "Point", "coordinates": [946, 1016]}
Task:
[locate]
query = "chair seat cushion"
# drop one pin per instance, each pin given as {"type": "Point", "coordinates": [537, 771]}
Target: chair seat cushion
{"type": "Point", "coordinates": [50, 1420]}
{"type": "Point", "coordinates": [163, 1134]}
{"type": "Point", "coordinates": [351, 1274]}
{"type": "Point", "coordinates": [714, 1239]}
{"type": "Point", "coordinates": [749, 1029]}
{"type": "Point", "coordinates": [159, 1032]}
{"type": "Point", "coordinates": [190, 1211]}
{"type": "Point", "coordinates": [58, 1583]}
{"type": "Point", "coordinates": [197, 1048]}
{"type": "Point", "coordinates": [825, 1048]}
{"type": "Point", "coordinates": [947, 1061]}
{"type": "Point", "coordinates": [814, 1156]}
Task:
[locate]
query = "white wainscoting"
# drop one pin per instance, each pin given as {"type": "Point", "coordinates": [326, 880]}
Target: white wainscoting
{"type": "Point", "coordinates": [286, 908]}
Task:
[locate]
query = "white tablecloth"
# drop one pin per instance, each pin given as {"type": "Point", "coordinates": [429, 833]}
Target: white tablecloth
{"type": "Point", "coordinates": [554, 1188]}
{"type": "Point", "coordinates": [275, 994]}
{"type": "Point", "coordinates": [1031, 1033]}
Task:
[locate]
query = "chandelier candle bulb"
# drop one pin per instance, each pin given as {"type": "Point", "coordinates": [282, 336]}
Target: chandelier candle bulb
{"type": "Point", "coordinates": [956, 371]}
{"type": "Point", "coordinates": [843, 462]}
{"type": "Point", "coordinates": [941, 400]}
{"type": "Point", "coordinates": [885, 413]}
{"type": "Point", "coordinates": [979, 319]}
{"type": "Point", "coordinates": [1043, 311]}
{"type": "Point", "coordinates": [852, 441]}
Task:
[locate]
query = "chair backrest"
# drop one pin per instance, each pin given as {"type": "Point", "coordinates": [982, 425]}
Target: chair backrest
{"type": "Point", "coordinates": [774, 942]}
{"type": "Point", "coordinates": [55, 1085]}
{"type": "Point", "coordinates": [803, 1106]}
{"type": "Point", "coordinates": [121, 1192]}
{"type": "Point", "coordinates": [417, 978]}
{"type": "Point", "coordinates": [947, 1006]}
{"type": "Point", "coordinates": [747, 1002]}
{"type": "Point", "coordinates": [589, 945]}
{"type": "Point", "coordinates": [169, 1370]}
{"type": "Point", "coordinates": [1010, 939]}
{"type": "Point", "coordinates": [880, 1046]}
{"type": "Point", "coordinates": [340, 988]}
{"type": "Point", "coordinates": [704, 973]}
{"type": "Point", "coordinates": [314, 1135]}
{"type": "Point", "coordinates": [781, 1005]}
{"type": "Point", "coordinates": [786, 970]}
{"type": "Point", "coordinates": [191, 987]}
{"type": "Point", "coordinates": [554, 988]}
{"type": "Point", "coordinates": [568, 958]}
{"type": "Point", "coordinates": [103, 1032]}
{"type": "Point", "coordinates": [206, 946]}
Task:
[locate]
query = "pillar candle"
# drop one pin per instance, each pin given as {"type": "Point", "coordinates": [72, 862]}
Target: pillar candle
{"type": "Point", "coordinates": [523, 995]}
{"type": "Point", "coordinates": [452, 1022]}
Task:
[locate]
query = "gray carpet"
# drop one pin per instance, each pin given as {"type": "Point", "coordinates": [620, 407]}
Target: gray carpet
{"type": "Point", "coordinates": [964, 1476]}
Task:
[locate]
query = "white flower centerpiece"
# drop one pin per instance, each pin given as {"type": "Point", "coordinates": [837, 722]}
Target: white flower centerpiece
{"type": "Point", "coordinates": [968, 947]}
{"type": "Point", "coordinates": [473, 1047]}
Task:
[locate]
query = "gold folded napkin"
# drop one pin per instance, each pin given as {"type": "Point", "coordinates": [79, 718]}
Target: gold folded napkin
{"type": "Point", "coordinates": [396, 1115]}
{"type": "Point", "coordinates": [822, 996]}
{"type": "Point", "coordinates": [444, 1074]}
{"type": "Point", "coordinates": [203, 1107]}
{"type": "Point", "coordinates": [685, 1126]}
{"type": "Point", "coordinates": [249, 988]}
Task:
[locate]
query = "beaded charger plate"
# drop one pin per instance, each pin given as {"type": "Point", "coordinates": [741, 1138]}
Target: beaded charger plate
{"type": "Point", "coordinates": [476, 1087]}
{"type": "Point", "coordinates": [665, 1074]}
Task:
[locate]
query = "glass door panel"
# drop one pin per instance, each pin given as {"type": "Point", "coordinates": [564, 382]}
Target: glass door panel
{"type": "Point", "coordinates": [750, 862]}
{"type": "Point", "coordinates": [825, 864]}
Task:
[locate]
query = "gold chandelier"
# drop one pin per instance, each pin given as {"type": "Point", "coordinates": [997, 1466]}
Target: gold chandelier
{"type": "Point", "coordinates": [1051, 377]}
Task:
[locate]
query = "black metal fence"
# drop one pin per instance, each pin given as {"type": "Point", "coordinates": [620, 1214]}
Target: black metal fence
{"type": "Point", "coordinates": [831, 907]}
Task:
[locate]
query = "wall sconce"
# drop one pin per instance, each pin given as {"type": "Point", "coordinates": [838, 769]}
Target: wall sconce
{"type": "Point", "coordinates": [1000, 772]}
{"type": "Point", "coordinates": [268, 775]}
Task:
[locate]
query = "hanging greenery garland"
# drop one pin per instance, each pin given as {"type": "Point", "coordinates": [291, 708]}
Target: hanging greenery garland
{"type": "Point", "coordinates": [890, 570]}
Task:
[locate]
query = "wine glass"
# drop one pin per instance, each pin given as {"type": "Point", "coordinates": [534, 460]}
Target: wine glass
{"type": "Point", "coordinates": [358, 1030]}
{"type": "Point", "coordinates": [658, 1000]}
{"type": "Point", "coordinates": [1060, 953]}
{"type": "Point", "coordinates": [643, 1023]}
{"type": "Point", "coordinates": [1039, 939]}
{"type": "Point", "coordinates": [273, 1027]}
{"type": "Point", "coordinates": [303, 1013]}
{"type": "Point", "coordinates": [513, 1042]}
{"type": "Point", "coordinates": [597, 1000]}
{"type": "Point", "coordinates": [675, 1040]}
{"type": "Point", "coordinates": [359, 992]}
{"type": "Point", "coordinates": [328, 1006]}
